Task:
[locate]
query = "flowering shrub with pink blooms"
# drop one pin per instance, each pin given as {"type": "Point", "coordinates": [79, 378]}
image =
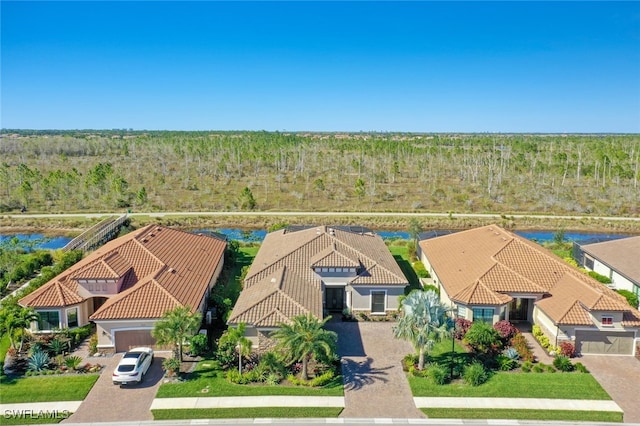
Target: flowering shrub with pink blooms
{"type": "Point", "coordinates": [462, 326]}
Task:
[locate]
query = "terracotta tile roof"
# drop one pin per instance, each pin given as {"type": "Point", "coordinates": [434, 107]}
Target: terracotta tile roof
{"type": "Point", "coordinates": [631, 319]}
{"type": "Point", "coordinates": [480, 294]}
{"type": "Point", "coordinates": [482, 265]}
{"type": "Point", "coordinates": [55, 294]}
{"type": "Point", "coordinates": [282, 279]}
{"type": "Point", "coordinates": [161, 267]}
{"type": "Point", "coordinates": [621, 255]}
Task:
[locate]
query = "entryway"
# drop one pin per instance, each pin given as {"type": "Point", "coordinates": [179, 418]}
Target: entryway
{"type": "Point", "coordinates": [334, 299]}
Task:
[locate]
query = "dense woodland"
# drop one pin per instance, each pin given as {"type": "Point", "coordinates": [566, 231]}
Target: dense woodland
{"type": "Point", "coordinates": [77, 171]}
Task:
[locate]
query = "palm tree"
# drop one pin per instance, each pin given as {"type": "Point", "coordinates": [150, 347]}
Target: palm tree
{"type": "Point", "coordinates": [175, 327]}
{"type": "Point", "coordinates": [16, 319]}
{"type": "Point", "coordinates": [424, 322]}
{"type": "Point", "coordinates": [303, 338]}
{"type": "Point", "coordinates": [235, 338]}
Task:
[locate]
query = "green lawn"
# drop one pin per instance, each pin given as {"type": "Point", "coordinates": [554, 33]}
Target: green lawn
{"type": "Point", "coordinates": [209, 376]}
{"type": "Point", "coordinates": [401, 255]}
{"type": "Point", "coordinates": [244, 413]}
{"type": "Point", "coordinates": [554, 415]}
{"type": "Point", "coordinates": [518, 385]}
{"type": "Point", "coordinates": [46, 388]}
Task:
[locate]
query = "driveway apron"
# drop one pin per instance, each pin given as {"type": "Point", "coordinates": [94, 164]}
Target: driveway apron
{"type": "Point", "coordinates": [374, 384]}
{"type": "Point", "coordinates": [107, 402]}
{"type": "Point", "coordinates": [620, 377]}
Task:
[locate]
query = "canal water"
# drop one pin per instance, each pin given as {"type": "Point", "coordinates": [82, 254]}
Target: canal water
{"type": "Point", "coordinates": [258, 235]}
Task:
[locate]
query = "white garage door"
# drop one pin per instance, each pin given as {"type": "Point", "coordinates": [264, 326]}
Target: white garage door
{"type": "Point", "coordinates": [127, 339]}
{"type": "Point", "coordinates": [604, 342]}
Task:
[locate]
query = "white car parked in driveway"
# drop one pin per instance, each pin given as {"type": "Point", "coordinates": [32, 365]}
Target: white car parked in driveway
{"type": "Point", "coordinates": [133, 366]}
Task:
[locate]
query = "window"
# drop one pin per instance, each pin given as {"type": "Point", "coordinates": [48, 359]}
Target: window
{"type": "Point", "coordinates": [378, 302]}
{"type": "Point", "coordinates": [607, 320]}
{"type": "Point", "coordinates": [483, 314]}
{"type": "Point", "coordinates": [588, 262]}
{"type": "Point", "coordinates": [462, 311]}
{"type": "Point", "coordinates": [72, 317]}
{"type": "Point", "coordinates": [49, 320]}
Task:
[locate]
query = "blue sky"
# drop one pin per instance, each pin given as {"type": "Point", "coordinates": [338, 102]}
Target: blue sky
{"type": "Point", "coordinates": [322, 66]}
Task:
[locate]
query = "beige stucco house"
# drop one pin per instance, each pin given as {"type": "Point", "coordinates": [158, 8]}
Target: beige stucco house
{"type": "Point", "coordinates": [125, 286]}
{"type": "Point", "coordinates": [317, 270]}
{"type": "Point", "coordinates": [491, 274]}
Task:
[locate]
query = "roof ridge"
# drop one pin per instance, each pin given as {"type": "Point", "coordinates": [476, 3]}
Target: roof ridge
{"type": "Point", "coordinates": [287, 255]}
{"type": "Point", "coordinates": [519, 275]}
{"type": "Point", "coordinates": [59, 291]}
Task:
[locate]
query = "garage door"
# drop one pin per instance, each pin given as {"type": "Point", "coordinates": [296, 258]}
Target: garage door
{"type": "Point", "coordinates": [128, 339]}
{"type": "Point", "coordinates": [603, 342]}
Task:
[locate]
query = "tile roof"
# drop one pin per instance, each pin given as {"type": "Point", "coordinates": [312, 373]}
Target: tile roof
{"type": "Point", "coordinates": [281, 282]}
{"type": "Point", "coordinates": [621, 255]}
{"type": "Point", "coordinates": [161, 268]}
{"type": "Point", "coordinates": [484, 265]}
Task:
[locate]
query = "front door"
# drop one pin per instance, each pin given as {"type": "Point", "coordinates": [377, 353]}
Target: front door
{"type": "Point", "coordinates": [334, 298]}
{"type": "Point", "coordinates": [519, 310]}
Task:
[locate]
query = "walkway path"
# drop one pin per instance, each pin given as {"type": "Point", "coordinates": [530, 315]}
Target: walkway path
{"type": "Point", "coordinates": [374, 384]}
{"type": "Point", "coordinates": [248, 401]}
{"type": "Point", "coordinates": [518, 403]}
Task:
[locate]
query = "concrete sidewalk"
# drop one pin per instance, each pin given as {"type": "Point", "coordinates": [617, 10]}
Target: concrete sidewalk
{"type": "Point", "coordinates": [59, 406]}
{"type": "Point", "coordinates": [518, 403]}
{"type": "Point", "coordinates": [247, 401]}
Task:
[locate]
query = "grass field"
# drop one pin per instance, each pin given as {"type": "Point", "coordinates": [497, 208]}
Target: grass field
{"type": "Point", "coordinates": [208, 381]}
{"type": "Point", "coordinates": [504, 385]}
{"type": "Point", "coordinates": [245, 413]}
{"type": "Point", "coordinates": [46, 388]}
{"type": "Point", "coordinates": [552, 415]}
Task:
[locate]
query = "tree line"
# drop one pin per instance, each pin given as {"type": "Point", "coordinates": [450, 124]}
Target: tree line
{"type": "Point", "coordinates": [200, 171]}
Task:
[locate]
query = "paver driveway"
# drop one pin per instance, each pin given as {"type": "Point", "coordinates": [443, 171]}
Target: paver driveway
{"type": "Point", "coordinates": [107, 402]}
{"type": "Point", "coordinates": [374, 384]}
{"type": "Point", "coordinates": [620, 377]}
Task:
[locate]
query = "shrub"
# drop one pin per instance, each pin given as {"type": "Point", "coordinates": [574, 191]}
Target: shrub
{"type": "Point", "coordinates": [536, 330]}
{"type": "Point", "coordinates": [580, 368]}
{"type": "Point", "coordinates": [505, 329]}
{"type": "Point", "coordinates": [567, 349]}
{"type": "Point", "coordinates": [421, 271]}
{"type": "Point", "coordinates": [270, 364]}
{"type": "Point", "coordinates": [272, 379]}
{"type": "Point", "coordinates": [475, 374]}
{"type": "Point", "coordinates": [234, 376]}
{"type": "Point", "coordinates": [632, 299]}
{"type": "Point", "coordinates": [409, 361]}
{"type": "Point", "coordinates": [199, 344]}
{"type": "Point", "coordinates": [527, 366]}
{"type": "Point", "coordinates": [72, 362]}
{"type": "Point", "coordinates": [57, 346]}
{"type": "Point", "coordinates": [505, 363]}
{"type": "Point", "coordinates": [562, 363]}
{"type": "Point", "coordinates": [437, 373]}
{"type": "Point", "coordinates": [599, 277]}
{"type": "Point", "coordinates": [538, 368]}
{"type": "Point", "coordinates": [511, 353]}
{"type": "Point", "coordinates": [315, 382]}
{"type": "Point", "coordinates": [38, 361]}
{"type": "Point", "coordinates": [93, 344]}
{"type": "Point", "coordinates": [519, 343]}
{"type": "Point", "coordinates": [462, 326]}
{"type": "Point", "coordinates": [171, 365]}
{"type": "Point", "coordinates": [430, 287]}
{"type": "Point", "coordinates": [483, 338]}
{"type": "Point", "coordinates": [549, 368]}
{"type": "Point", "coordinates": [544, 341]}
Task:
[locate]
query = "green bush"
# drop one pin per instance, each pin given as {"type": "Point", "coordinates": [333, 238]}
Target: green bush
{"type": "Point", "coordinates": [171, 365]}
{"type": "Point", "coordinates": [72, 362]}
{"type": "Point", "coordinates": [475, 374]}
{"type": "Point", "coordinates": [421, 271]}
{"type": "Point", "coordinates": [563, 363]}
{"type": "Point", "coordinates": [234, 376]}
{"type": "Point", "coordinates": [483, 338]}
{"type": "Point", "coordinates": [536, 330]}
{"type": "Point", "coordinates": [433, 288]}
{"type": "Point", "coordinates": [321, 380]}
{"type": "Point", "coordinates": [437, 373]}
{"type": "Point", "coordinates": [632, 299]}
{"type": "Point", "coordinates": [505, 363]}
{"type": "Point", "coordinates": [409, 361]}
{"type": "Point", "coordinates": [599, 277]}
{"type": "Point", "coordinates": [199, 344]}
{"type": "Point", "coordinates": [539, 368]}
{"type": "Point", "coordinates": [527, 366]}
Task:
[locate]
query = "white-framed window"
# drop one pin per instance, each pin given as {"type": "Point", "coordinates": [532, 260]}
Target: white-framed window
{"type": "Point", "coordinates": [462, 311]}
{"type": "Point", "coordinates": [72, 317]}
{"type": "Point", "coordinates": [607, 320]}
{"type": "Point", "coordinates": [483, 314]}
{"type": "Point", "coordinates": [48, 320]}
{"type": "Point", "coordinates": [378, 301]}
{"type": "Point", "coordinates": [332, 269]}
